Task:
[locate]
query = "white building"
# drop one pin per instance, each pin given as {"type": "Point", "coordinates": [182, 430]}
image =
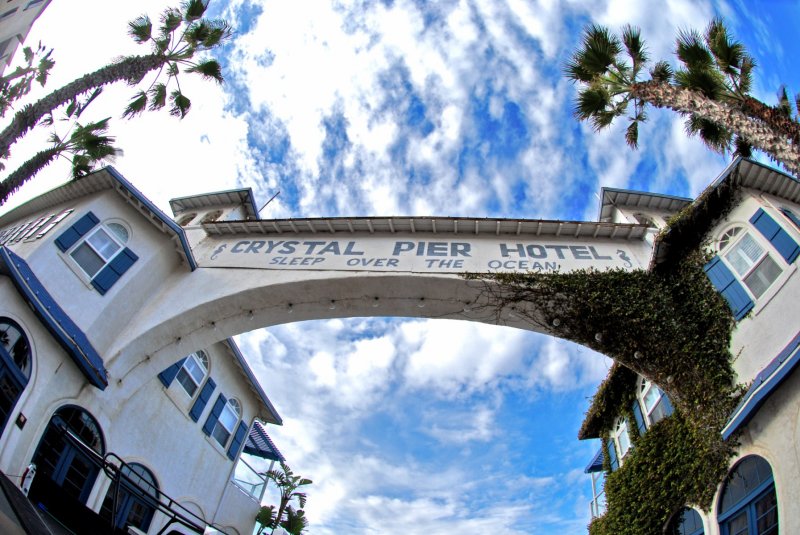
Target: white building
{"type": "Point", "coordinates": [755, 247]}
{"type": "Point", "coordinates": [16, 19]}
{"type": "Point", "coordinates": [76, 264]}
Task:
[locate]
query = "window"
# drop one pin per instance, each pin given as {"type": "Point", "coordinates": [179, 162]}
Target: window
{"type": "Point", "coordinates": [98, 250]}
{"type": "Point", "coordinates": [186, 219]}
{"type": "Point", "coordinates": [622, 438]}
{"type": "Point", "coordinates": [753, 264]}
{"type": "Point", "coordinates": [748, 504]}
{"type": "Point", "coordinates": [210, 217]}
{"type": "Point", "coordinates": [193, 371]}
{"type": "Point", "coordinates": [15, 367]}
{"type": "Point", "coordinates": [226, 423]}
{"type": "Point", "coordinates": [655, 403]}
{"type": "Point", "coordinates": [686, 522]}
{"type": "Point", "coordinates": [136, 494]}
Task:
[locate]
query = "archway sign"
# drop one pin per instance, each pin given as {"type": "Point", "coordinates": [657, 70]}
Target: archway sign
{"type": "Point", "coordinates": [254, 274]}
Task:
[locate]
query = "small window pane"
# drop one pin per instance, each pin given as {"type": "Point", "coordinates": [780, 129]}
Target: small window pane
{"type": "Point", "coordinates": [87, 259]}
{"type": "Point", "coordinates": [744, 254]}
{"type": "Point", "coordinates": [228, 418]}
{"type": "Point", "coordinates": [103, 244]}
{"type": "Point", "coordinates": [119, 231]}
{"type": "Point", "coordinates": [763, 276]}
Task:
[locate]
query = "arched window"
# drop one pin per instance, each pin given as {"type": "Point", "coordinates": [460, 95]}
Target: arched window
{"type": "Point", "coordinates": [226, 422]}
{"type": "Point", "coordinates": [751, 262]}
{"type": "Point", "coordinates": [15, 366]}
{"type": "Point", "coordinates": [67, 459]}
{"type": "Point", "coordinates": [212, 216]}
{"type": "Point", "coordinates": [655, 404]}
{"type": "Point", "coordinates": [686, 522]}
{"type": "Point", "coordinates": [748, 504]}
{"type": "Point", "coordinates": [131, 500]}
{"type": "Point", "coordinates": [193, 371]}
{"type": "Point", "coordinates": [186, 219]}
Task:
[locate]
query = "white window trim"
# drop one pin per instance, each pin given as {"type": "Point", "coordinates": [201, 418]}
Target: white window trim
{"type": "Point", "coordinates": [73, 264]}
{"type": "Point", "coordinates": [194, 356]}
{"type": "Point", "coordinates": [759, 303]}
{"type": "Point", "coordinates": [645, 387]}
{"type": "Point", "coordinates": [621, 427]}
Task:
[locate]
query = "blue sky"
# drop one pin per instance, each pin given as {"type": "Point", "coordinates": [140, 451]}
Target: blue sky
{"type": "Point", "coordinates": [451, 108]}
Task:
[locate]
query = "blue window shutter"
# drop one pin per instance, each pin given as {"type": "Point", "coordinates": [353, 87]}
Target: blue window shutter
{"type": "Point", "coordinates": [202, 400]}
{"type": "Point", "coordinates": [74, 233]}
{"type": "Point", "coordinates": [214, 416]}
{"type": "Point", "coordinates": [612, 454]}
{"type": "Point", "coordinates": [777, 236]}
{"type": "Point", "coordinates": [667, 404]}
{"type": "Point", "coordinates": [637, 413]}
{"type": "Point", "coordinates": [168, 375]}
{"type": "Point", "coordinates": [238, 438]}
{"type": "Point", "coordinates": [110, 274]}
{"type": "Point", "coordinates": [723, 280]}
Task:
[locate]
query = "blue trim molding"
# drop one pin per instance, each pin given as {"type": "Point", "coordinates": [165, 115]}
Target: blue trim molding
{"type": "Point", "coordinates": [60, 325]}
{"type": "Point", "coordinates": [765, 383]}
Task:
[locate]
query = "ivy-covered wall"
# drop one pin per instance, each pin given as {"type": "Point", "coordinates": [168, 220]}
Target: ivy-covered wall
{"type": "Point", "coordinates": [667, 324]}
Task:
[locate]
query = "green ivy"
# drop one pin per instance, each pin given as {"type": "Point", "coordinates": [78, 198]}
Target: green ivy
{"type": "Point", "coordinates": [672, 327]}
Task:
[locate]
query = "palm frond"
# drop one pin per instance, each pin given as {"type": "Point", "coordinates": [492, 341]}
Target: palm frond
{"type": "Point", "coordinates": [632, 39]}
{"type": "Point", "coordinates": [592, 101]}
{"type": "Point", "coordinates": [194, 9]}
{"type": "Point", "coordinates": [662, 72]}
{"type": "Point", "coordinates": [179, 104]}
{"type": "Point", "coordinates": [205, 34]}
{"type": "Point", "coordinates": [742, 148]}
{"type": "Point", "coordinates": [141, 29]}
{"type": "Point", "coordinates": [707, 81]}
{"type": "Point", "coordinates": [727, 53]}
{"type": "Point", "coordinates": [632, 135]}
{"type": "Point", "coordinates": [715, 136]}
{"type": "Point", "coordinates": [784, 105]}
{"type": "Point", "coordinates": [746, 74]}
{"type": "Point", "coordinates": [172, 69]}
{"type": "Point", "coordinates": [158, 96]}
{"type": "Point", "coordinates": [209, 69]}
{"type": "Point", "coordinates": [43, 70]}
{"type": "Point", "coordinates": [692, 51]}
{"type": "Point", "coordinates": [171, 20]}
{"type": "Point", "coordinates": [598, 51]}
{"type": "Point", "coordinates": [136, 106]}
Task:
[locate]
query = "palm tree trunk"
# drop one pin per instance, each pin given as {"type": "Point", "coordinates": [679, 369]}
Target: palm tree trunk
{"type": "Point", "coordinates": [131, 69]}
{"type": "Point", "coordinates": [26, 171]}
{"type": "Point", "coordinates": [761, 134]}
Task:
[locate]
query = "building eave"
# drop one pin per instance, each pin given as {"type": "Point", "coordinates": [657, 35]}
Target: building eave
{"type": "Point", "coordinates": [105, 179]}
{"type": "Point", "coordinates": [627, 198]}
{"type": "Point", "coordinates": [233, 197]}
{"type": "Point", "coordinates": [764, 385]}
{"type": "Point", "coordinates": [64, 330]}
{"type": "Point", "coordinates": [271, 415]}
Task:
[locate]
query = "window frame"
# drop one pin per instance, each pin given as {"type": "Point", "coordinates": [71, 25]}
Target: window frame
{"type": "Point", "coordinates": [621, 428]}
{"type": "Point", "coordinates": [115, 238]}
{"type": "Point", "coordinates": [747, 503]}
{"type": "Point", "coordinates": [645, 387]}
{"type": "Point", "coordinates": [764, 256]}
{"type": "Point", "coordinates": [235, 408]}
{"type": "Point", "coordinates": [201, 360]}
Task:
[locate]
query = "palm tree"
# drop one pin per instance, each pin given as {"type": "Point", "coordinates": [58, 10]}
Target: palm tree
{"type": "Point", "coordinates": [182, 35]}
{"type": "Point", "coordinates": [89, 145]}
{"type": "Point", "coordinates": [287, 483]}
{"type": "Point", "coordinates": [17, 83]}
{"type": "Point", "coordinates": [711, 88]}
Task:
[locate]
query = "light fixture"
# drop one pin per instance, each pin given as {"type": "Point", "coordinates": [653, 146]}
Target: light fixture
{"type": "Point", "coordinates": [556, 322]}
{"type": "Point", "coordinates": [332, 304]}
{"type": "Point", "coordinates": [421, 302]}
{"type": "Point", "coordinates": [376, 302]}
{"type": "Point", "coordinates": [598, 337]}
{"type": "Point", "coordinates": [637, 355]}
{"type": "Point", "coordinates": [289, 308]}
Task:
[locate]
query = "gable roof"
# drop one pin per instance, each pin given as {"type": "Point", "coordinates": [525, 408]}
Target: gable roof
{"type": "Point", "coordinates": [613, 197]}
{"type": "Point", "coordinates": [238, 197]}
{"type": "Point", "coordinates": [102, 180]}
